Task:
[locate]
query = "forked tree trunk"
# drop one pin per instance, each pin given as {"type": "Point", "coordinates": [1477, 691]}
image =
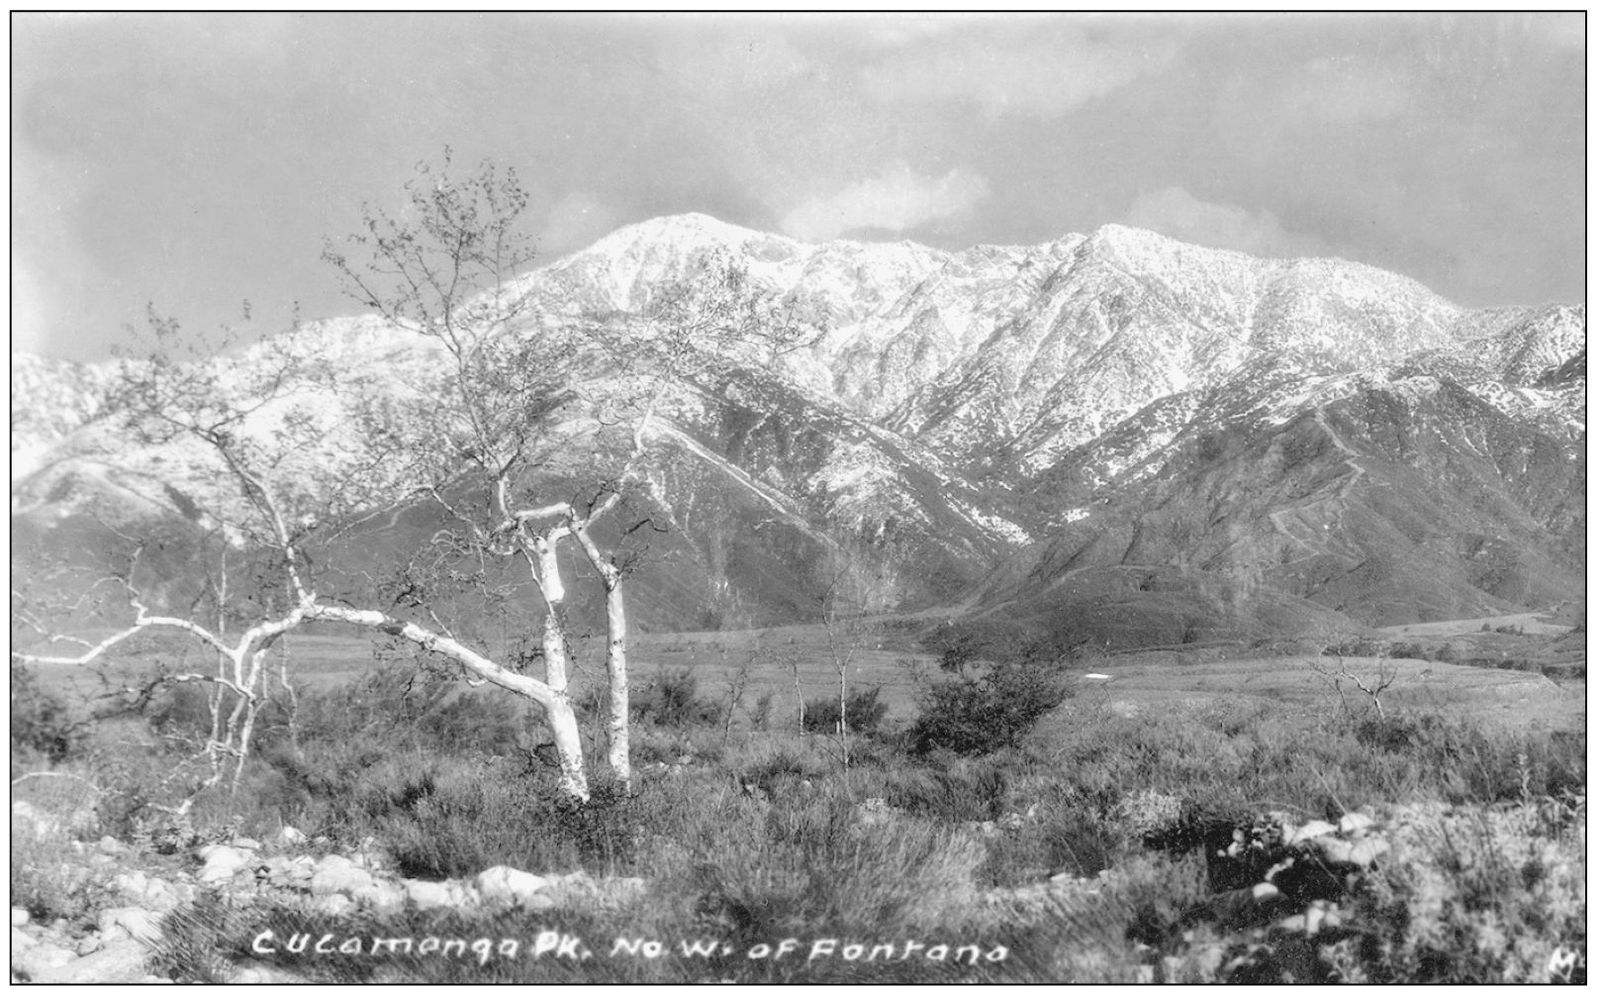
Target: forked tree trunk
{"type": "Point", "coordinates": [558, 709]}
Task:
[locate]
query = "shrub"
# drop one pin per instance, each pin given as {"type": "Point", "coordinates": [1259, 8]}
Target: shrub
{"type": "Point", "coordinates": [988, 713]}
{"type": "Point", "coordinates": [1473, 895]}
{"type": "Point", "coordinates": [863, 712]}
{"type": "Point", "coordinates": [670, 700]}
{"type": "Point", "coordinates": [1355, 648]}
{"type": "Point", "coordinates": [40, 721]}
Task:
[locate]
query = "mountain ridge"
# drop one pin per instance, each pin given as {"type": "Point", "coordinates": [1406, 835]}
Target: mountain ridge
{"type": "Point", "coordinates": [961, 407]}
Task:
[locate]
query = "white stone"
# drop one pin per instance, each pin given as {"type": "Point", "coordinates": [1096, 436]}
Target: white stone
{"type": "Point", "coordinates": [382, 897]}
{"type": "Point", "coordinates": [1356, 822]}
{"type": "Point", "coordinates": [35, 961]}
{"type": "Point", "coordinates": [332, 904]}
{"type": "Point", "coordinates": [119, 962]}
{"type": "Point", "coordinates": [1367, 849]}
{"type": "Point", "coordinates": [19, 917]}
{"type": "Point", "coordinates": [338, 875]}
{"type": "Point", "coordinates": [503, 885]}
{"type": "Point", "coordinates": [142, 924]}
{"type": "Point", "coordinates": [222, 862]}
{"type": "Point", "coordinates": [428, 895]}
{"type": "Point", "coordinates": [292, 836]}
{"type": "Point", "coordinates": [1310, 831]}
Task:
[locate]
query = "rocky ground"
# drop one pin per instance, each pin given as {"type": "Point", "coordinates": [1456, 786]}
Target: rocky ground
{"type": "Point", "coordinates": [287, 869]}
{"type": "Point", "coordinates": [1281, 880]}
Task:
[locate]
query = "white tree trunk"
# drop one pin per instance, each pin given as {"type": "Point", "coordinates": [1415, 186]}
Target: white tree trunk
{"type": "Point", "coordinates": [558, 709]}
{"type": "Point", "coordinates": [617, 639]}
{"type": "Point", "coordinates": [617, 669]}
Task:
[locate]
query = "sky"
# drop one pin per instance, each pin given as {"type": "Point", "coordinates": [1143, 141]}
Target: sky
{"type": "Point", "coordinates": [198, 162]}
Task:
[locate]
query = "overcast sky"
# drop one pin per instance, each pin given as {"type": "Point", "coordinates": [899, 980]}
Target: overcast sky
{"type": "Point", "coordinates": [198, 161]}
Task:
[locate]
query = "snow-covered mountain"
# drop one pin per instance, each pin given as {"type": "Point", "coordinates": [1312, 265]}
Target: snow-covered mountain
{"type": "Point", "coordinates": [982, 412]}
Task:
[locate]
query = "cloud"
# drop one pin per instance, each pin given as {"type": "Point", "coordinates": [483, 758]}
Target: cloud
{"type": "Point", "coordinates": [1035, 76]}
{"type": "Point", "coordinates": [896, 200]}
{"type": "Point", "coordinates": [1335, 91]}
{"type": "Point", "coordinates": [577, 219]}
{"type": "Point", "coordinates": [1177, 213]}
{"type": "Point", "coordinates": [732, 63]}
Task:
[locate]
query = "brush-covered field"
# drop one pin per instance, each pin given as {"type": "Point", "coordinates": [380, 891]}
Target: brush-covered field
{"type": "Point", "coordinates": [1407, 808]}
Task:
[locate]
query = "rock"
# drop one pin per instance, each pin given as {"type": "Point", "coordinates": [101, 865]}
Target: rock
{"type": "Point", "coordinates": [1311, 831]}
{"type": "Point", "coordinates": [332, 904]}
{"type": "Point", "coordinates": [35, 961]}
{"type": "Point", "coordinates": [282, 871]}
{"type": "Point", "coordinates": [1355, 822]}
{"type": "Point", "coordinates": [383, 898]}
{"type": "Point", "coordinates": [1333, 851]}
{"type": "Point", "coordinates": [25, 817]}
{"type": "Point", "coordinates": [222, 862]}
{"type": "Point", "coordinates": [111, 846]}
{"type": "Point", "coordinates": [142, 924]}
{"type": "Point", "coordinates": [244, 842]}
{"type": "Point", "coordinates": [1367, 849]}
{"type": "Point", "coordinates": [261, 973]}
{"type": "Point", "coordinates": [1265, 891]}
{"type": "Point", "coordinates": [426, 895]}
{"type": "Point", "coordinates": [119, 962]}
{"type": "Point", "coordinates": [87, 944]}
{"type": "Point", "coordinates": [503, 885]}
{"type": "Point", "coordinates": [20, 939]}
{"type": "Point", "coordinates": [292, 836]}
{"type": "Point", "coordinates": [19, 917]}
{"type": "Point", "coordinates": [338, 875]}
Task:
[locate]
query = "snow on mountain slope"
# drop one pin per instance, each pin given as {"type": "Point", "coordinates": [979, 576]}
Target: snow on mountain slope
{"type": "Point", "coordinates": [956, 406]}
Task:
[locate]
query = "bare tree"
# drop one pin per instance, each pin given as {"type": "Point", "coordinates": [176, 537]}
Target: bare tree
{"type": "Point", "coordinates": [164, 402]}
{"type": "Point", "coordinates": [447, 269]}
{"type": "Point", "coordinates": [1372, 685]}
{"type": "Point", "coordinates": [500, 406]}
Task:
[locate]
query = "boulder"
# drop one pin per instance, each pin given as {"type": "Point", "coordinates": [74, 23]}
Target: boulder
{"type": "Point", "coordinates": [292, 836]}
{"type": "Point", "coordinates": [26, 818]}
{"type": "Point", "coordinates": [332, 904]}
{"type": "Point", "coordinates": [1311, 831]}
{"type": "Point", "coordinates": [1367, 849]}
{"type": "Point", "coordinates": [504, 886]}
{"type": "Point", "coordinates": [37, 960]}
{"type": "Point", "coordinates": [427, 895]}
{"type": "Point", "coordinates": [384, 898]}
{"type": "Point", "coordinates": [1356, 821]}
{"type": "Point", "coordinates": [222, 862]}
{"type": "Point", "coordinates": [19, 917]}
{"type": "Point", "coordinates": [141, 924]}
{"type": "Point", "coordinates": [1333, 851]}
{"type": "Point", "coordinates": [338, 875]}
{"type": "Point", "coordinates": [256, 973]}
{"type": "Point", "coordinates": [119, 962]}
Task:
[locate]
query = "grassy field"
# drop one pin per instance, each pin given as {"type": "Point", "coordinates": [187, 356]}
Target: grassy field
{"type": "Point", "coordinates": [1097, 844]}
{"type": "Point", "coordinates": [1483, 679]}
